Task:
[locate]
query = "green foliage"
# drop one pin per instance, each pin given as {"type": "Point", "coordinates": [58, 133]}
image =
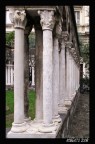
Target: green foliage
{"type": "Point", "coordinates": [10, 38]}
{"type": "Point", "coordinates": [10, 104]}
{"type": "Point", "coordinates": [10, 101]}
{"type": "Point", "coordinates": [85, 81]}
{"type": "Point", "coordinates": [32, 40]}
{"type": "Point", "coordinates": [84, 49]}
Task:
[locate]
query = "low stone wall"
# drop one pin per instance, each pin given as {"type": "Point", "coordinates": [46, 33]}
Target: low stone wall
{"type": "Point", "coordinates": [66, 118]}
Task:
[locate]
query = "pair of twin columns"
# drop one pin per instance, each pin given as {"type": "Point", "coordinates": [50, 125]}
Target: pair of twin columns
{"type": "Point", "coordinates": [50, 73]}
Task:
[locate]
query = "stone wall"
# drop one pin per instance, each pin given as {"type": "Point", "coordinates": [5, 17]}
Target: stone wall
{"type": "Point", "coordinates": [66, 118]}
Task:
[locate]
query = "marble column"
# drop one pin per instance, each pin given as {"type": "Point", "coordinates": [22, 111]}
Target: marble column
{"type": "Point", "coordinates": [62, 69]}
{"type": "Point", "coordinates": [62, 74]}
{"type": "Point", "coordinates": [70, 74]}
{"type": "Point", "coordinates": [39, 73]}
{"type": "Point", "coordinates": [55, 91]}
{"type": "Point", "coordinates": [73, 72]}
{"type": "Point", "coordinates": [72, 78]}
{"type": "Point", "coordinates": [26, 72]}
{"type": "Point", "coordinates": [76, 76]}
{"type": "Point", "coordinates": [47, 22]}
{"type": "Point", "coordinates": [69, 69]}
{"type": "Point", "coordinates": [19, 20]}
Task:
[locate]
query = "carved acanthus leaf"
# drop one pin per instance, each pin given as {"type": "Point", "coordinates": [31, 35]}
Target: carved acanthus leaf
{"type": "Point", "coordinates": [47, 19]}
{"type": "Point", "coordinates": [18, 18]}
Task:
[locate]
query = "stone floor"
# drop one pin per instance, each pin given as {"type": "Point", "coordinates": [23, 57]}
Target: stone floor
{"type": "Point", "coordinates": [79, 127]}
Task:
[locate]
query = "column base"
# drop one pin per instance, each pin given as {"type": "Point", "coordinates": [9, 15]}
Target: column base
{"type": "Point", "coordinates": [38, 121]}
{"type": "Point", "coordinates": [17, 128]}
{"type": "Point", "coordinates": [60, 105]}
{"type": "Point", "coordinates": [36, 124]}
{"type": "Point", "coordinates": [49, 128]}
{"type": "Point", "coordinates": [27, 119]}
{"type": "Point", "coordinates": [67, 102]}
{"type": "Point", "coordinates": [62, 109]}
{"type": "Point", "coordinates": [57, 119]}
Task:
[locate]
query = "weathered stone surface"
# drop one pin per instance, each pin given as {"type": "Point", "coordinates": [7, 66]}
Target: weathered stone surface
{"type": "Point", "coordinates": [39, 74]}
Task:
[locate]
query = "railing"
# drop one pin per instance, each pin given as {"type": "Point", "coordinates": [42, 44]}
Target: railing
{"type": "Point", "coordinates": [9, 75]}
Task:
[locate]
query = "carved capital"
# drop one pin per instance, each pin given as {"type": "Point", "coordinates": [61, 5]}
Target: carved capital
{"type": "Point", "coordinates": [65, 36]}
{"type": "Point", "coordinates": [47, 19]}
{"type": "Point", "coordinates": [68, 45]}
{"type": "Point", "coordinates": [18, 18]}
{"type": "Point", "coordinates": [75, 57]}
{"type": "Point", "coordinates": [73, 50]}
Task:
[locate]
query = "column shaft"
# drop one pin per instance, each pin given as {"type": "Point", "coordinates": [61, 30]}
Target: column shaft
{"type": "Point", "coordinates": [68, 75]}
{"type": "Point", "coordinates": [26, 75]}
{"type": "Point", "coordinates": [19, 76]}
{"type": "Point", "coordinates": [55, 77]}
{"type": "Point", "coordinates": [47, 76]}
{"type": "Point", "coordinates": [39, 75]}
{"type": "Point", "coordinates": [62, 75]}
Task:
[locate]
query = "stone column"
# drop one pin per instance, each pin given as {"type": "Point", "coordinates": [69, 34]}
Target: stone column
{"type": "Point", "coordinates": [75, 75]}
{"type": "Point", "coordinates": [78, 74]}
{"type": "Point", "coordinates": [62, 73]}
{"type": "Point", "coordinates": [72, 77]}
{"type": "Point", "coordinates": [47, 23]}
{"type": "Point", "coordinates": [39, 73]}
{"type": "Point", "coordinates": [19, 20]}
{"type": "Point", "coordinates": [73, 72]}
{"type": "Point", "coordinates": [74, 56]}
{"type": "Point", "coordinates": [55, 85]}
{"type": "Point", "coordinates": [69, 69]}
{"type": "Point", "coordinates": [26, 72]}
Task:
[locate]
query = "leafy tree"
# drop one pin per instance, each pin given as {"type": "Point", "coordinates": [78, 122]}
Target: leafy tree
{"type": "Point", "coordinates": [10, 38]}
{"type": "Point", "coordinates": [32, 40]}
{"type": "Point", "coordinates": [84, 49]}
